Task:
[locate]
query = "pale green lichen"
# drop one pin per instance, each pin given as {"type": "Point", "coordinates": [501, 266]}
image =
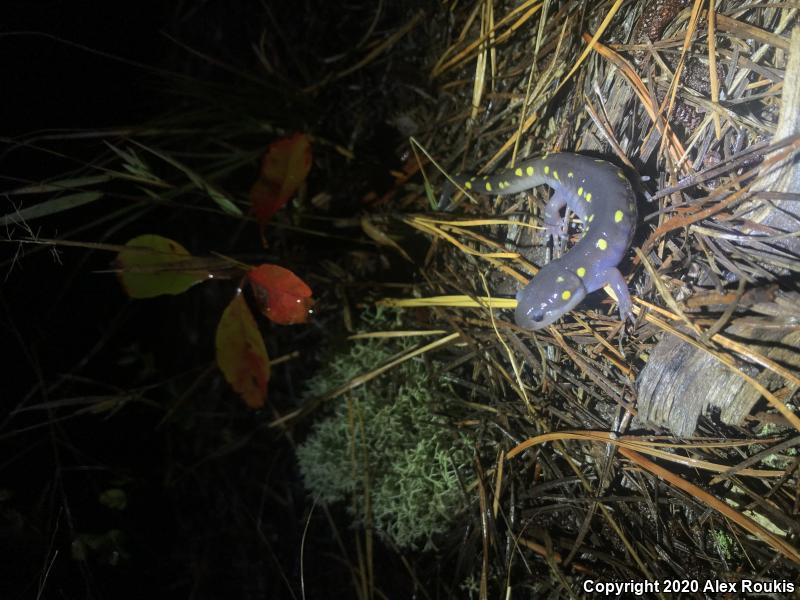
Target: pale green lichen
{"type": "Point", "coordinates": [387, 436]}
{"type": "Point", "coordinates": [724, 543]}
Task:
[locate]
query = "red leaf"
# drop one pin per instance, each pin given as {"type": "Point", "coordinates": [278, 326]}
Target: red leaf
{"type": "Point", "coordinates": [282, 296]}
{"type": "Point", "coordinates": [241, 355]}
{"type": "Point", "coordinates": [283, 170]}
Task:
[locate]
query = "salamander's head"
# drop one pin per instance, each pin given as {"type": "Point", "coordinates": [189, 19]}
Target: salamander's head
{"type": "Point", "coordinates": [551, 294]}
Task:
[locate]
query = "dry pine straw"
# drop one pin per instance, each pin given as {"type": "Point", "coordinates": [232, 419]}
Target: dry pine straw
{"type": "Point", "coordinates": [574, 376]}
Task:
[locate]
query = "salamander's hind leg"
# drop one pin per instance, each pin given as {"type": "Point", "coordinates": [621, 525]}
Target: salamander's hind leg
{"type": "Point", "coordinates": [614, 278]}
{"type": "Point", "coordinates": [553, 221]}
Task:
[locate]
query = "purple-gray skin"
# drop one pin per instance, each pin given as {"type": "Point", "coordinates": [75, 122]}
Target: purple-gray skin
{"type": "Point", "coordinates": [602, 197]}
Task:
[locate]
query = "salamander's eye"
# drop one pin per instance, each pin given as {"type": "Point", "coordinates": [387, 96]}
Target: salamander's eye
{"type": "Point", "coordinates": [537, 317]}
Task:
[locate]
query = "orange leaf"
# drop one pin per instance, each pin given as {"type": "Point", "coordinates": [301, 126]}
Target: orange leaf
{"type": "Point", "coordinates": [283, 170]}
{"type": "Point", "coordinates": [241, 355]}
{"type": "Point", "coordinates": [282, 296]}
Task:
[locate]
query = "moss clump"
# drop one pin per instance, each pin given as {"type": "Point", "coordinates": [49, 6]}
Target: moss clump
{"type": "Point", "coordinates": [386, 437]}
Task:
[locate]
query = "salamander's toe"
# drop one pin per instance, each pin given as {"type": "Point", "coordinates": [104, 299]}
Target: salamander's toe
{"type": "Point", "coordinates": [626, 311]}
{"type": "Point", "coordinates": [555, 231]}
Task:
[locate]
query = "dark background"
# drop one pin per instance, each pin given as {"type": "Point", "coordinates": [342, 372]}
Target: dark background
{"type": "Point", "coordinates": [55, 76]}
{"type": "Point", "coordinates": [215, 507]}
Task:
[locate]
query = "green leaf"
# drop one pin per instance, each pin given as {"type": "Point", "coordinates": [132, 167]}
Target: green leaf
{"type": "Point", "coordinates": [135, 166]}
{"type": "Point", "coordinates": [217, 196]}
{"type": "Point", "coordinates": [50, 207]}
{"type": "Point", "coordinates": [61, 185]}
{"type": "Point", "coordinates": [151, 266]}
{"type": "Point", "coordinates": [114, 498]}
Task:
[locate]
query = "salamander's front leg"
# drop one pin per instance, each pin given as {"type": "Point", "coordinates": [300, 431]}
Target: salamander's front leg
{"type": "Point", "coordinates": [614, 278]}
{"type": "Point", "coordinates": [553, 221]}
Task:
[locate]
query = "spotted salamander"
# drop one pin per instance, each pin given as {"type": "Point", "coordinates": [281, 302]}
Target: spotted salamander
{"type": "Point", "coordinates": [602, 197]}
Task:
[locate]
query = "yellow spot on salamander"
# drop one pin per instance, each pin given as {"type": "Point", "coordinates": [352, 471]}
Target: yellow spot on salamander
{"type": "Point", "coordinates": [602, 244]}
{"type": "Point", "coordinates": [488, 186]}
{"type": "Point", "coordinates": [507, 183]}
{"type": "Point", "coordinates": [546, 170]}
{"type": "Point", "coordinates": [530, 171]}
{"type": "Point", "coordinates": [560, 279]}
{"type": "Point", "coordinates": [500, 185]}
{"type": "Point", "coordinates": [570, 175]}
{"type": "Point", "coordinates": [618, 216]}
{"type": "Point", "coordinates": [566, 295]}
{"type": "Point", "coordinates": [588, 197]}
{"type": "Point", "coordinates": [580, 191]}
{"type": "Point", "coordinates": [555, 174]}
{"type": "Point", "coordinates": [518, 172]}
{"type": "Point", "coordinates": [580, 272]}
{"type": "Point", "coordinates": [590, 219]}
{"type": "Point", "coordinates": [468, 185]}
